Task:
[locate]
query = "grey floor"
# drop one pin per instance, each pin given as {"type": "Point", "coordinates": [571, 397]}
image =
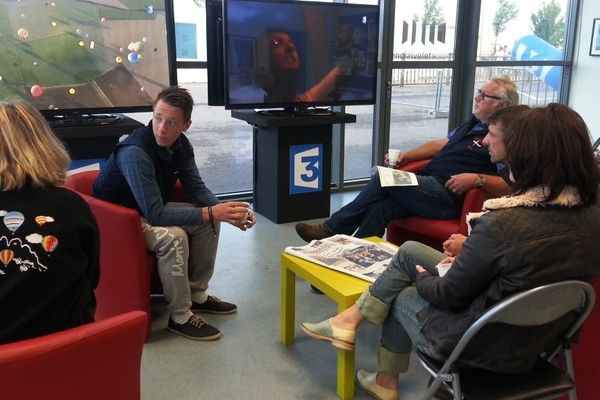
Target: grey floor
{"type": "Point", "coordinates": [249, 362]}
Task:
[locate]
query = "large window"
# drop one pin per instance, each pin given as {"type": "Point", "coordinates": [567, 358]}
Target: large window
{"type": "Point", "coordinates": [424, 41]}
{"type": "Point", "coordinates": [529, 41]}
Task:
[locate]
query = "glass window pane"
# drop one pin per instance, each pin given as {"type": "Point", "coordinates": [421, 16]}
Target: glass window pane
{"type": "Point", "coordinates": [185, 39]}
{"type": "Point", "coordinates": [522, 30]}
{"type": "Point", "coordinates": [424, 30]}
{"type": "Point", "coordinates": [222, 145]}
{"type": "Point", "coordinates": [533, 91]}
{"type": "Point", "coordinates": [420, 104]}
{"type": "Point", "coordinates": [190, 30]}
{"type": "Point", "coordinates": [358, 143]}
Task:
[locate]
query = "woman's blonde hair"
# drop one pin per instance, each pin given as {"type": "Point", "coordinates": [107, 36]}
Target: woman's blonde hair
{"type": "Point", "coordinates": [30, 153]}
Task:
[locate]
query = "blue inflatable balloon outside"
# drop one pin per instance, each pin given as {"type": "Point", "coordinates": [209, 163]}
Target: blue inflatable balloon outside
{"type": "Point", "coordinates": [533, 48]}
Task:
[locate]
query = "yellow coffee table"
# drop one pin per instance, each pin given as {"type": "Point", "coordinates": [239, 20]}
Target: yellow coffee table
{"type": "Point", "coordinates": [342, 288]}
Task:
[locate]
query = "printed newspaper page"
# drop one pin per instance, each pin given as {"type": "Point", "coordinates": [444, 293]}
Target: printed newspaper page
{"type": "Point", "coordinates": [396, 177]}
{"type": "Point", "coordinates": [354, 256]}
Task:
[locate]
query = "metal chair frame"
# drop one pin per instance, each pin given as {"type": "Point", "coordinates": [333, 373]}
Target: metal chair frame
{"type": "Point", "coordinates": [528, 308]}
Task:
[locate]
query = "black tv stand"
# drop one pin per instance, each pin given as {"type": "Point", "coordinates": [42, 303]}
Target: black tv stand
{"type": "Point", "coordinates": [284, 188]}
{"type": "Point", "coordinates": [92, 136]}
{"type": "Point", "coordinates": [80, 120]}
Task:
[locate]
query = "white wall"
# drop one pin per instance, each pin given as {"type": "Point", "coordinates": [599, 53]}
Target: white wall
{"type": "Point", "coordinates": [585, 84]}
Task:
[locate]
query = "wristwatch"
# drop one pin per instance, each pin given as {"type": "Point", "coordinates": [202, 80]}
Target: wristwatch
{"type": "Point", "coordinates": [480, 181]}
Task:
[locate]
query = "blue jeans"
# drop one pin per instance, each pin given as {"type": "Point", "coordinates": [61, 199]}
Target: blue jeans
{"type": "Point", "coordinates": [375, 206]}
{"type": "Point", "coordinates": [393, 300]}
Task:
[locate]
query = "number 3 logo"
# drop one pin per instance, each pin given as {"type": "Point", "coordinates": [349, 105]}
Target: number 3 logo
{"type": "Point", "coordinates": [306, 172]}
{"type": "Point", "coordinates": [310, 164]}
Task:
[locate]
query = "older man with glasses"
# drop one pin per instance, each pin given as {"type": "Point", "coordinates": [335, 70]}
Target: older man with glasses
{"type": "Point", "coordinates": [459, 162]}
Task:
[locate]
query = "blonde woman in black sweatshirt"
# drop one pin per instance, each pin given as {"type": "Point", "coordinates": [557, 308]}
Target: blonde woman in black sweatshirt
{"type": "Point", "coordinates": [49, 243]}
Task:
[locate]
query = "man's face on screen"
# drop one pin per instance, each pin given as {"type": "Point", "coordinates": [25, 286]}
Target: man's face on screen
{"type": "Point", "coordinates": [283, 51]}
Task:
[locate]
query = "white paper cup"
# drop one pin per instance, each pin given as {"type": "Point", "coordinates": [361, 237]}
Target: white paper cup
{"type": "Point", "coordinates": [393, 155]}
{"type": "Point", "coordinates": [244, 220]}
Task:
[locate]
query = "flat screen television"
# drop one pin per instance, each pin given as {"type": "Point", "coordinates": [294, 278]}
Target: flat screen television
{"type": "Point", "coordinates": [75, 59]}
{"type": "Point", "coordinates": [299, 54]}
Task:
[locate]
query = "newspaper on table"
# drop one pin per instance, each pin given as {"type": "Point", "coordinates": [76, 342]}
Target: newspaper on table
{"type": "Point", "coordinates": [359, 257]}
{"type": "Point", "coordinates": [396, 177]}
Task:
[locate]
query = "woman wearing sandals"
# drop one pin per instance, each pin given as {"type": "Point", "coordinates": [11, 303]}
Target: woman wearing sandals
{"type": "Point", "coordinates": [545, 232]}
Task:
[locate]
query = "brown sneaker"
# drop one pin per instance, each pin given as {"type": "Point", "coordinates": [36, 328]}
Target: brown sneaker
{"type": "Point", "coordinates": [214, 305]}
{"type": "Point", "coordinates": [310, 232]}
{"type": "Point", "coordinates": [194, 328]}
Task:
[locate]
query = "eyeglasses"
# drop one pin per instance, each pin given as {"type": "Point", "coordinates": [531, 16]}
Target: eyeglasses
{"type": "Point", "coordinates": [483, 95]}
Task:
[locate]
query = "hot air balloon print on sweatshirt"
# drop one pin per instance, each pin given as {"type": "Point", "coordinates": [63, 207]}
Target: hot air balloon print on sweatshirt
{"type": "Point", "coordinates": [49, 243]}
{"type": "Point", "coordinates": [13, 220]}
{"type": "Point", "coordinates": [6, 256]}
{"type": "Point", "coordinates": [42, 219]}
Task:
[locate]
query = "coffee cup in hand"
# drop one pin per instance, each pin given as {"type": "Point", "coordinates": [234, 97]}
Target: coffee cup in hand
{"type": "Point", "coordinates": [244, 220]}
{"type": "Point", "coordinates": [393, 155]}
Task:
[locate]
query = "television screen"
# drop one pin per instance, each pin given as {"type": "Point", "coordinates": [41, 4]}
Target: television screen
{"type": "Point", "coordinates": [298, 54]}
{"type": "Point", "coordinates": [83, 57]}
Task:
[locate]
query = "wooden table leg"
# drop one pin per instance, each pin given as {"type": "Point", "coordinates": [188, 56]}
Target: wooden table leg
{"type": "Point", "coordinates": [288, 306]}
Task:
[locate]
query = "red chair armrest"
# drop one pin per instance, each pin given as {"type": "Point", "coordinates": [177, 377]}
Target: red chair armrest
{"type": "Point", "coordinates": [415, 166]}
{"type": "Point", "coordinates": [473, 202]}
{"type": "Point", "coordinates": [178, 194]}
{"type": "Point", "coordinates": [100, 360]}
{"type": "Point", "coordinates": [82, 182]}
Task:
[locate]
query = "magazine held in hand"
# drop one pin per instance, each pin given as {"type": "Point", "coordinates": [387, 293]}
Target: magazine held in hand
{"type": "Point", "coordinates": [359, 257]}
{"type": "Point", "coordinates": [396, 177]}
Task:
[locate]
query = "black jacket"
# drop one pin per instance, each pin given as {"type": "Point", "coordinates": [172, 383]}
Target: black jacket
{"type": "Point", "coordinates": [112, 186]}
{"type": "Point", "coordinates": [518, 244]}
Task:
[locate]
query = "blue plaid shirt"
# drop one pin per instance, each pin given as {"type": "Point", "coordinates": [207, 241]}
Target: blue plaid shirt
{"type": "Point", "coordinates": [138, 169]}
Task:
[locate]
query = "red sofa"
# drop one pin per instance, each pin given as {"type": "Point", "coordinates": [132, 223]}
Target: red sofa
{"type": "Point", "coordinates": [128, 273]}
{"type": "Point", "coordinates": [433, 232]}
{"type": "Point", "coordinates": [96, 361]}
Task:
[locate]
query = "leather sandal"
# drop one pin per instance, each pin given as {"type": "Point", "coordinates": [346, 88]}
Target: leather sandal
{"type": "Point", "coordinates": [325, 330]}
{"type": "Point", "coordinates": [368, 382]}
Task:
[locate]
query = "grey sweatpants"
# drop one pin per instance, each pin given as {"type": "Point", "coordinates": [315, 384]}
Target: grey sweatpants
{"type": "Point", "coordinates": [186, 261]}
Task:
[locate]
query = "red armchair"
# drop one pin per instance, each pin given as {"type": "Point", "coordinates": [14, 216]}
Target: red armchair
{"type": "Point", "coordinates": [128, 273]}
{"type": "Point", "coordinates": [433, 232]}
{"type": "Point", "coordinates": [96, 361]}
{"type": "Point", "coordinates": [586, 353]}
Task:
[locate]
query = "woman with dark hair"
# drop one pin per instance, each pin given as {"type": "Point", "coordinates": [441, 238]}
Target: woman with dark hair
{"type": "Point", "coordinates": [546, 231]}
{"type": "Point", "coordinates": [284, 67]}
{"type": "Point", "coordinates": [553, 150]}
